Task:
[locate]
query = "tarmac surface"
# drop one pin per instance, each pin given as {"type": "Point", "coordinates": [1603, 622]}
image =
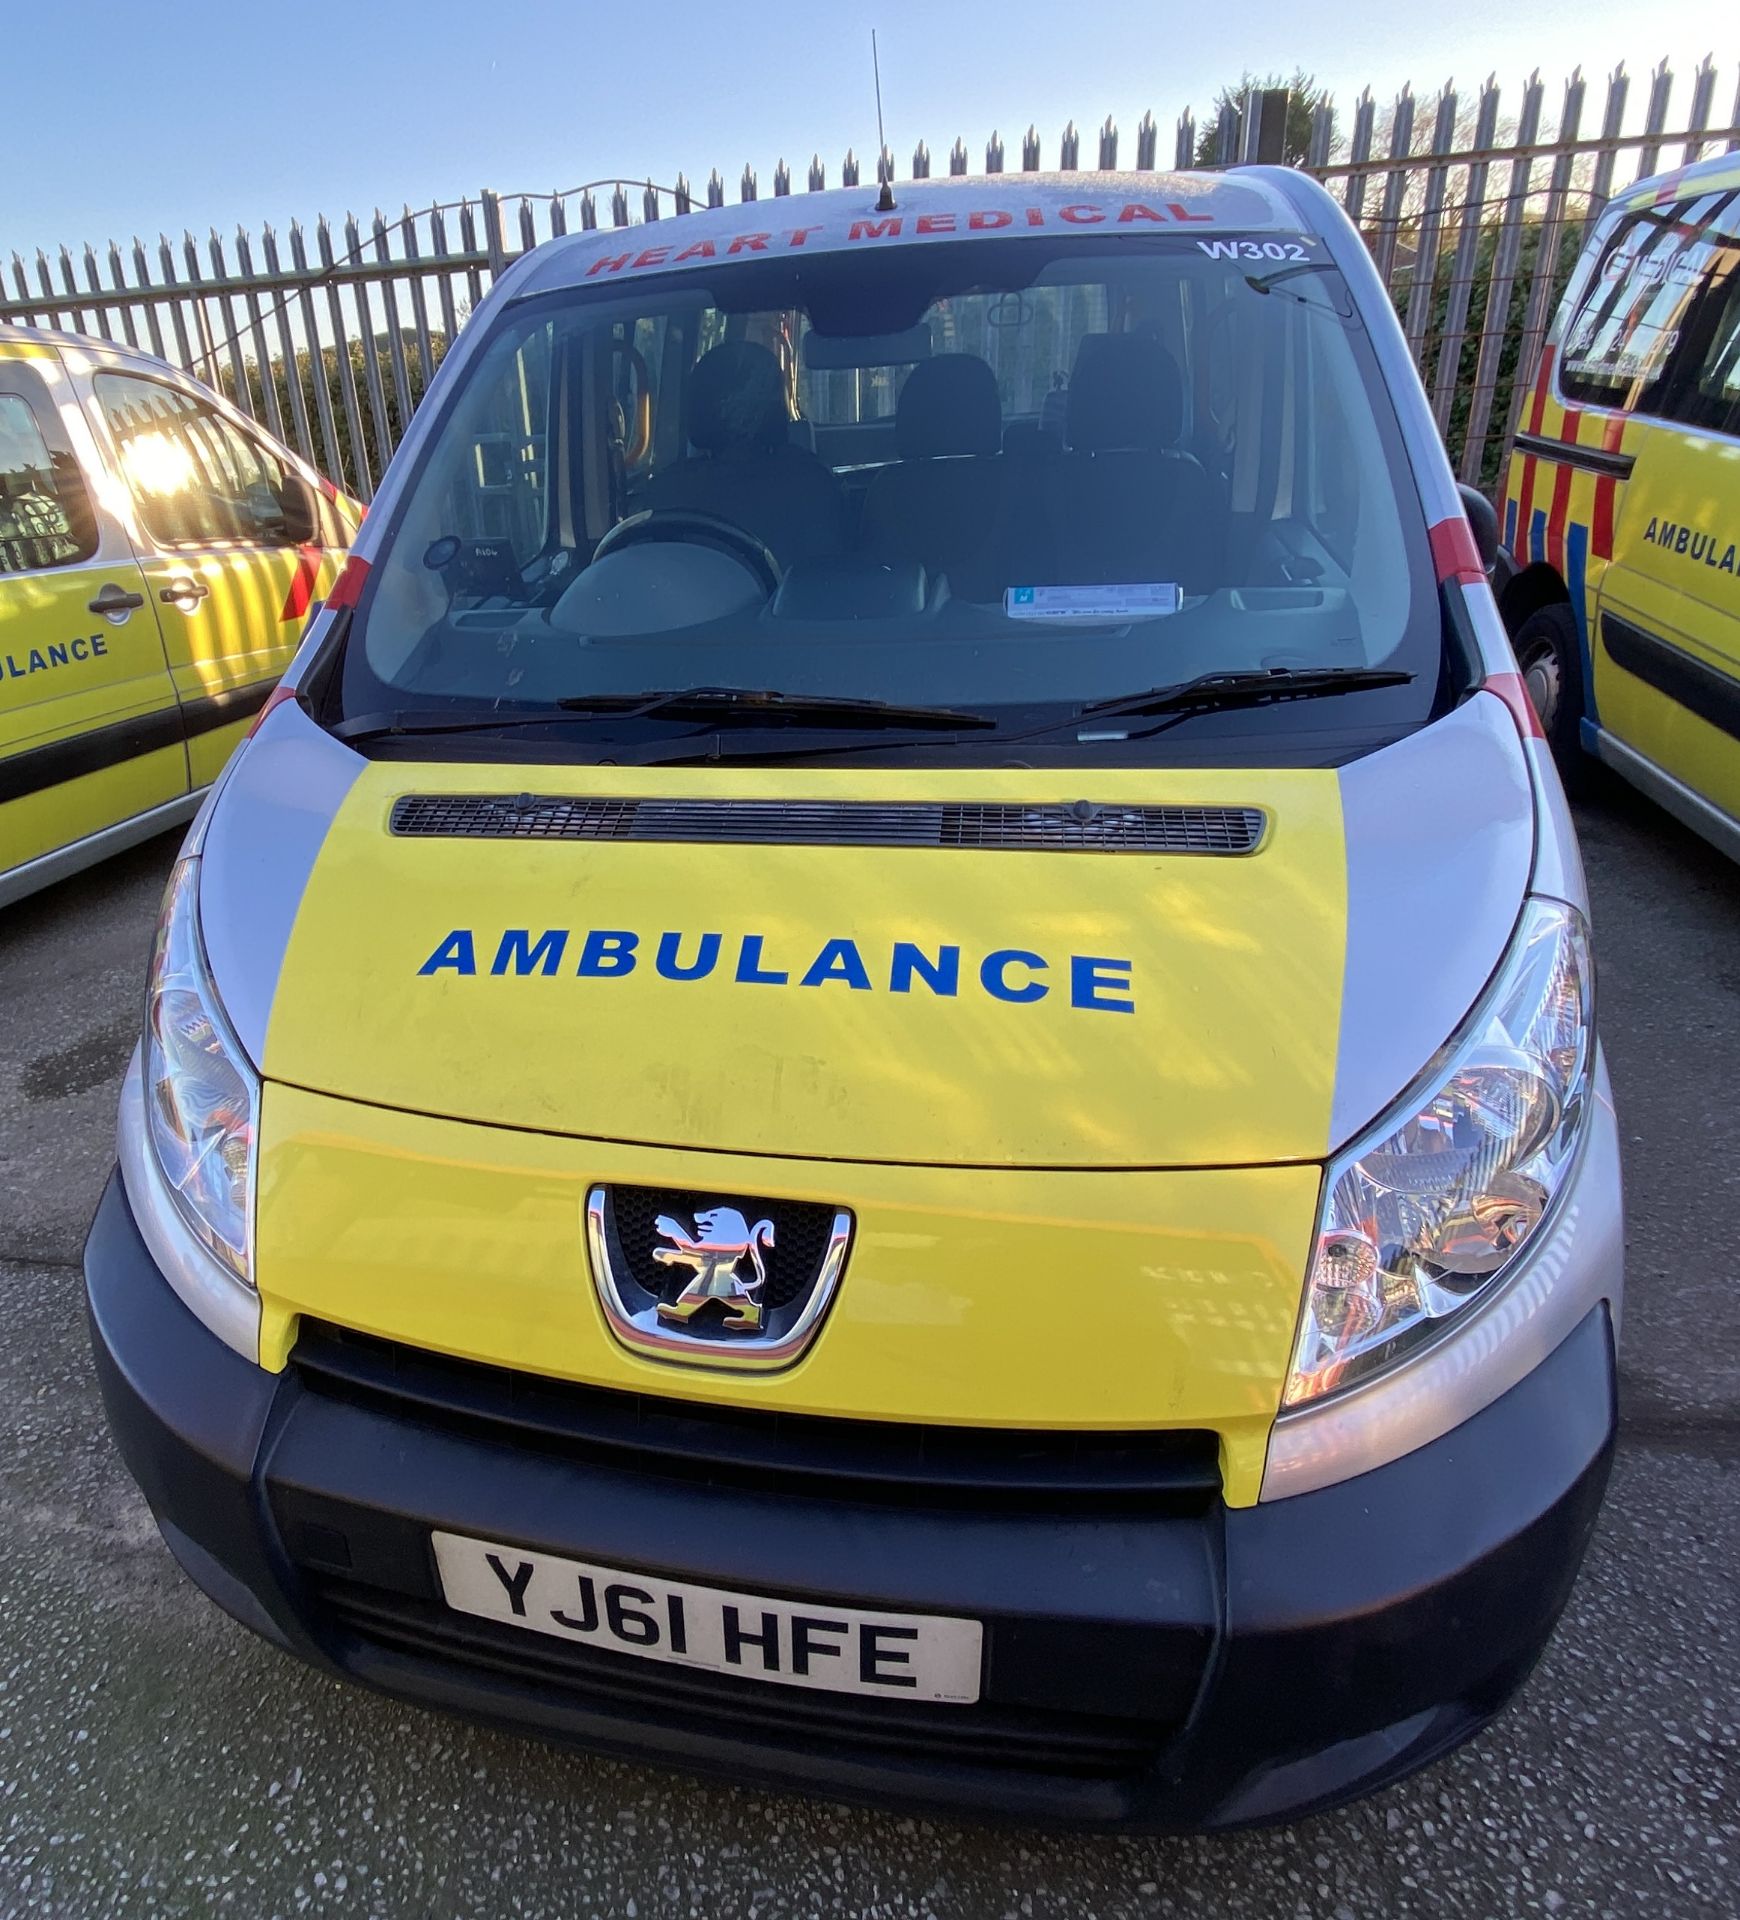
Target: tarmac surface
{"type": "Point", "coordinates": [156, 1759]}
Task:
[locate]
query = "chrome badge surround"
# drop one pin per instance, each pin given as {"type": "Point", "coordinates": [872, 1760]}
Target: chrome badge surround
{"type": "Point", "coordinates": [655, 1331]}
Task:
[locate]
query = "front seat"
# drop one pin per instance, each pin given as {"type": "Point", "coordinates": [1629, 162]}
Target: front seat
{"type": "Point", "coordinates": [743, 467]}
{"type": "Point", "coordinates": [947, 501]}
{"type": "Point", "coordinates": [1129, 504]}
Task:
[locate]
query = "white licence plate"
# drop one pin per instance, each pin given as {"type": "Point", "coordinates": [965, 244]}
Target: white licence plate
{"type": "Point", "coordinates": [895, 1656]}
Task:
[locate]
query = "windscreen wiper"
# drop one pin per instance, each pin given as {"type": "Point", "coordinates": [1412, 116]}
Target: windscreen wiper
{"type": "Point", "coordinates": [1172, 704]}
{"type": "Point", "coordinates": [1275, 283]}
{"type": "Point", "coordinates": [710, 703]}
{"type": "Point", "coordinates": [1208, 691]}
{"type": "Point", "coordinates": [387, 726]}
{"type": "Point", "coordinates": [1267, 282]}
{"type": "Point", "coordinates": [764, 702]}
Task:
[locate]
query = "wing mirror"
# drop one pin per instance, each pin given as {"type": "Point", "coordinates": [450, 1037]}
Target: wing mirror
{"type": "Point", "coordinates": [1483, 518]}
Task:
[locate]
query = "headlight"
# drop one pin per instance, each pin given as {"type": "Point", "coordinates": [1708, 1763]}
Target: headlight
{"type": "Point", "coordinates": [1425, 1215]}
{"type": "Point", "coordinates": [202, 1100]}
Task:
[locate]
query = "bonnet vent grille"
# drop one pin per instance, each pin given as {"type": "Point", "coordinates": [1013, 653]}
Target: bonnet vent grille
{"type": "Point", "coordinates": [1079, 827]}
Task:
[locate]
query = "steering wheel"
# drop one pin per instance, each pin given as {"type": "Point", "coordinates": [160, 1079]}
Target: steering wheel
{"type": "Point", "coordinates": [694, 528]}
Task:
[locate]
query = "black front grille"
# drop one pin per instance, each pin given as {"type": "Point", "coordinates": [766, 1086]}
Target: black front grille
{"type": "Point", "coordinates": [516, 816]}
{"type": "Point", "coordinates": [801, 1235]}
{"type": "Point", "coordinates": [1081, 826]}
{"type": "Point", "coordinates": [892, 1462]}
{"type": "Point", "coordinates": [987, 1734]}
{"type": "Point", "coordinates": [1105, 829]}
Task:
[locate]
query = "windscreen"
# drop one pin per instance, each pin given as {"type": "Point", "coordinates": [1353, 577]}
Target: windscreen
{"type": "Point", "coordinates": [999, 476]}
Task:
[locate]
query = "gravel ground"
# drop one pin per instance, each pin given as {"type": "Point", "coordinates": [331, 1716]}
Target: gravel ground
{"type": "Point", "coordinates": [155, 1759]}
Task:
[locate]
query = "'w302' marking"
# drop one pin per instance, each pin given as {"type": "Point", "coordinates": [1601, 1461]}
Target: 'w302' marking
{"type": "Point", "coordinates": [1255, 249]}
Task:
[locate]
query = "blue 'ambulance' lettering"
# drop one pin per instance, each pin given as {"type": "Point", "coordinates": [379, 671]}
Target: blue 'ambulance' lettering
{"type": "Point", "coordinates": [994, 976]}
{"type": "Point", "coordinates": [1712, 550]}
{"type": "Point", "coordinates": [455, 953]}
{"type": "Point", "coordinates": [942, 975]}
{"type": "Point", "coordinates": [608, 953]}
{"type": "Point", "coordinates": [670, 961]}
{"type": "Point", "coordinates": [838, 960]}
{"type": "Point", "coordinates": [1098, 983]}
{"type": "Point", "coordinates": [1093, 981]}
{"type": "Point", "coordinates": [750, 969]}
{"type": "Point", "coordinates": [59, 653]}
{"type": "Point", "coordinates": [521, 954]}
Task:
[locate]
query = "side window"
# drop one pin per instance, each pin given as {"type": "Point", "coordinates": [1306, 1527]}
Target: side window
{"type": "Point", "coordinates": [198, 479]}
{"type": "Point", "coordinates": [500, 492]}
{"type": "Point", "coordinates": [1620, 344]}
{"type": "Point", "coordinates": [1704, 387]}
{"type": "Point", "coordinates": [483, 509]}
{"type": "Point", "coordinates": [45, 512]}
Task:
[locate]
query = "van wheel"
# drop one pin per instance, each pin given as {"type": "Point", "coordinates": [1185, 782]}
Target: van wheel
{"type": "Point", "coordinates": [1551, 659]}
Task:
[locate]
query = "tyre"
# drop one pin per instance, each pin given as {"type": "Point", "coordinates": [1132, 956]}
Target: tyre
{"type": "Point", "coordinates": [1550, 655]}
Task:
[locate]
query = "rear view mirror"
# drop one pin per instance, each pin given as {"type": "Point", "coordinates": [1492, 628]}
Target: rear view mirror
{"type": "Point", "coordinates": [1483, 518]}
{"type": "Point", "coordinates": [835, 353]}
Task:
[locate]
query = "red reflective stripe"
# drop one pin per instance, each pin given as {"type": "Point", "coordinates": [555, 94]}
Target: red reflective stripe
{"type": "Point", "coordinates": [280, 693]}
{"type": "Point", "coordinates": [347, 588]}
{"type": "Point", "coordinates": [1613, 432]}
{"type": "Point", "coordinates": [1525, 510]}
{"type": "Point", "coordinates": [1601, 527]}
{"type": "Point", "coordinates": [297, 600]}
{"type": "Point", "coordinates": [1558, 516]}
{"type": "Point", "coordinates": [1510, 689]}
{"type": "Point", "coordinates": [1543, 380]}
{"type": "Point", "coordinates": [1454, 554]}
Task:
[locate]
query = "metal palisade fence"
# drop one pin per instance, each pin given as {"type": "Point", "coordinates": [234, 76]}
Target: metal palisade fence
{"type": "Point", "coordinates": [1474, 206]}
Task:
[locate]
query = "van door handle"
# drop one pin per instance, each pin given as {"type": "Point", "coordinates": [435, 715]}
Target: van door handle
{"type": "Point", "coordinates": [183, 592]}
{"type": "Point", "coordinates": [113, 600]}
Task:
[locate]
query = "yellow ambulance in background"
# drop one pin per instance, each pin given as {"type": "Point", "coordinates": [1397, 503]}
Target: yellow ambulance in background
{"type": "Point", "coordinates": [159, 554]}
{"type": "Point", "coordinates": [1620, 579]}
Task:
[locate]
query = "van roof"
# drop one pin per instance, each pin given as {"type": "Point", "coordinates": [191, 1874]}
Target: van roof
{"type": "Point", "coordinates": [982, 206]}
{"type": "Point", "coordinates": [35, 343]}
{"type": "Point", "coordinates": [26, 342]}
{"type": "Point", "coordinates": [1714, 175]}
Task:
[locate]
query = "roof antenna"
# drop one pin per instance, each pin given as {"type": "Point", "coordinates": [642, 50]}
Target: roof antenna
{"type": "Point", "coordinates": [885, 199]}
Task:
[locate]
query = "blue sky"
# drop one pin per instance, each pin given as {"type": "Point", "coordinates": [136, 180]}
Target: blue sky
{"type": "Point", "coordinates": [120, 119]}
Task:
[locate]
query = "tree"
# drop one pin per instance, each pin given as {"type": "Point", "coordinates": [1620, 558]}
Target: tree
{"type": "Point", "coordinates": [348, 470]}
{"type": "Point", "coordinates": [1509, 326]}
{"type": "Point", "coordinates": [1304, 97]}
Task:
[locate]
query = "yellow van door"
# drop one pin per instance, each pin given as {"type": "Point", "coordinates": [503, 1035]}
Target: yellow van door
{"type": "Point", "coordinates": [90, 733]}
{"type": "Point", "coordinates": [239, 548]}
{"type": "Point", "coordinates": [1667, 640]}
{"type": "Point", "coordinates": [1668, 663]}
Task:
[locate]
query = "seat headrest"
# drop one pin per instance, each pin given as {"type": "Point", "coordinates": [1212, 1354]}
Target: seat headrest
{"type": "Point", "coordinates": [1126, 393]}
{"type": "Point", "coordinates": [737, 399]}
{"type": "Point", "coordinates": [948, 405]}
